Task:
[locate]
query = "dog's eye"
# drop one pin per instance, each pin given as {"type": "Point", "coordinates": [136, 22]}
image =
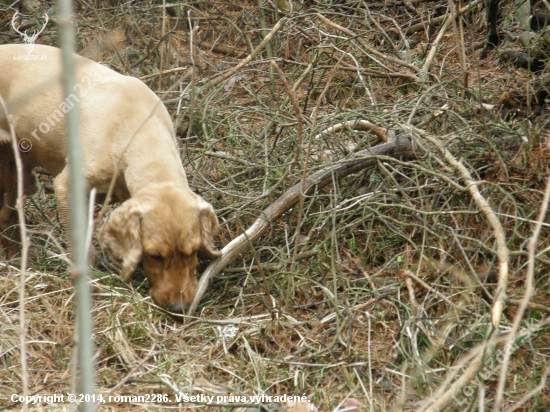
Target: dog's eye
{"type": "Point", "coordinates": [158, 258]}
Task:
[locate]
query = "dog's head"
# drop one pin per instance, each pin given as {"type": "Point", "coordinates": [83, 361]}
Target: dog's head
{"type": "Point", "coordinates": [170, 227]}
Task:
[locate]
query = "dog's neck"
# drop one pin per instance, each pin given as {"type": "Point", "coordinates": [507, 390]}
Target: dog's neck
{"type": "Point", "coordinates": [138, 177]}
{"type": "Point", "coordinates": [143, 167]}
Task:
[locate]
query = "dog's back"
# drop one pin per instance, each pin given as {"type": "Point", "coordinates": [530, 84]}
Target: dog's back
{"type": "Point", "coordinates": [115, 110]}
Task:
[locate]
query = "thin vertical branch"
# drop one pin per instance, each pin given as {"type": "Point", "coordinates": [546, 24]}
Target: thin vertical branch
{"type": "Point", "coordinates": [434, 47]}
{"type": "Point", "coordinates": [371, 392]}
{"type": "Point", "coordinates": [24, 255]}
{"type": "Point", "coordinates": [161, 53]}
{"type": "Point", "coordinates": [77, 190]}
{"type": "Point", "coordinates": [459, 36]}
{"type": "Point", "coordinates": [267, 46]}
{"type": "Point", "coordinates": [502, 251]}
{"type": "Point", "coordinates": [191, 108]}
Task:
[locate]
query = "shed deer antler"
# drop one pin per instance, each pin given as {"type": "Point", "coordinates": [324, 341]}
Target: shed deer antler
{"type": "Point", "coordinates": [395, 146]}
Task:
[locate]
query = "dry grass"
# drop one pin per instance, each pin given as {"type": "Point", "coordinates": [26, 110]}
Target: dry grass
{"type": "Point", "coordinates": [399, 287]}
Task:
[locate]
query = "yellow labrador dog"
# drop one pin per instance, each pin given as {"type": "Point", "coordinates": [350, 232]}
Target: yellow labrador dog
{"type": "Point", "coordinates": [127, 135]}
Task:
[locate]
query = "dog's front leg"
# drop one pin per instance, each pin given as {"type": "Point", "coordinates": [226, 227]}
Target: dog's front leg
{"type": "Point", "coordinates": [61, 188]}
{"type": "Point", "coordinates": [10, 239]}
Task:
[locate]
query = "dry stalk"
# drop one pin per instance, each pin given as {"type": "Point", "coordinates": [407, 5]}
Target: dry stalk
{"type": "Point", "coordinates": [475, 360]}
{"type": "Point", "coordinates": [168, 71]}
{"type": "Point", "coordinates": [433, 50]}
{"type": "Point", "coordinates": [192, 32]}
{"type": "Point", "coordinates": [162, 53]}
{"type": "Point", "coordinates": [373, 73]}
{"type": "Point", "coordinates": [484, 206]}
{"type": "Point", "coordinates": [529, 293]}
{"type": "Point", "coordinates": [530, 305]}
{"type": "Point", "coordinates": [463, 51]}
{"type": "Point", "coordinates": [24, 253]}
{"type": "Point", "coordinates": [310, 67]}
{"type": "Point", "coordinates": [459, 36]}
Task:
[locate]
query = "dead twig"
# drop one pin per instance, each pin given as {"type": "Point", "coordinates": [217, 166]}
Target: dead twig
{"type": "Point", "coordinates": [434, 47]}
{"type": "Point", "coordinates": [24, 253]}
{"type": "Point", "coordinates": [170, 71]}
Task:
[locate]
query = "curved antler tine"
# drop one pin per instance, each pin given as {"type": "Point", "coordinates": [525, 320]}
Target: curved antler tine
{"type": "Point", "coordinates": [13, 23]}
{"type": "Point", "coordinates": [45, 24]}
{"type": "Point", "coordinates": [37, 32]}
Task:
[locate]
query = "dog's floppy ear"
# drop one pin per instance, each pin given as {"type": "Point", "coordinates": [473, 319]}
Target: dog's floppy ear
{"type": "Point", "coordinates": [209, 229]}
{"type": "Point", "coordinates": [121, 235]}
